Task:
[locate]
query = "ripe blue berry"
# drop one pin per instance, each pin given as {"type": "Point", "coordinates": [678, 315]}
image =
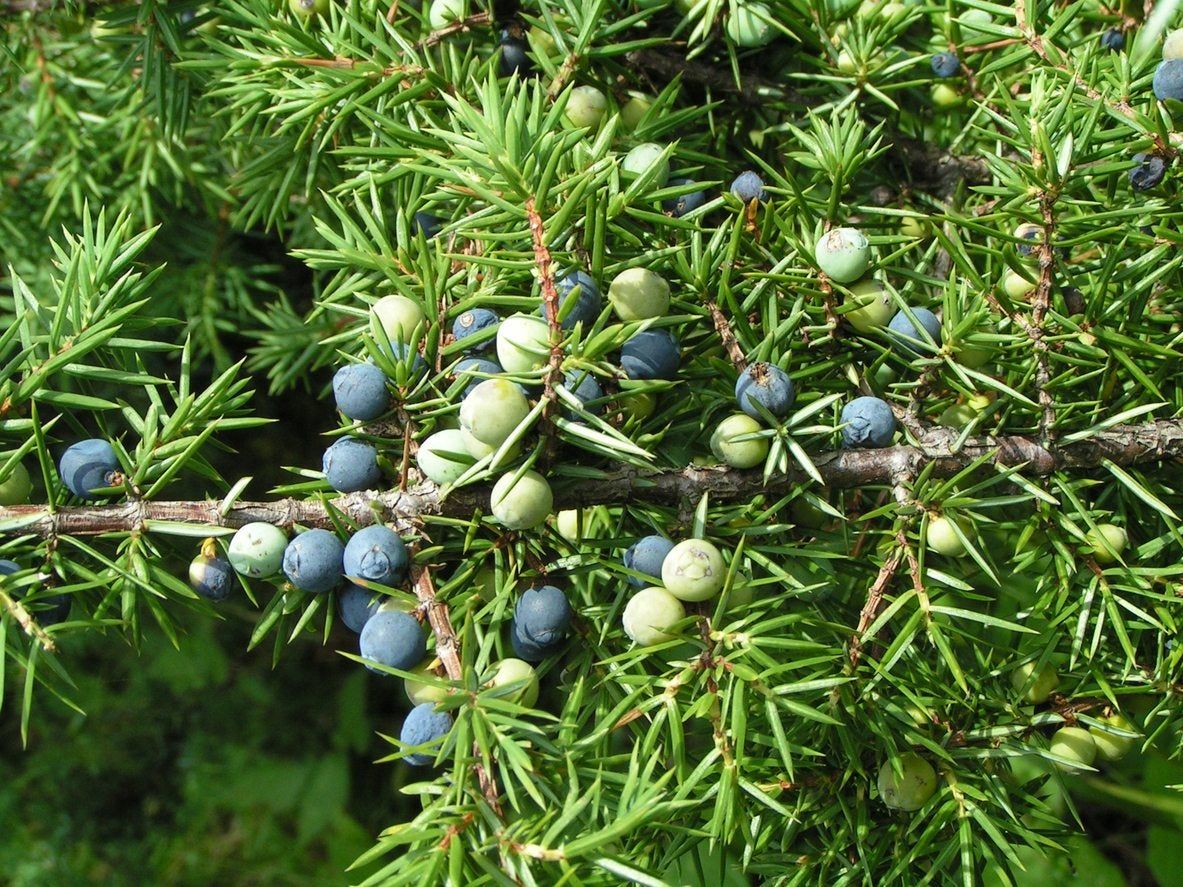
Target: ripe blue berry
{"type": "Point", "coordinates": [475, 370]}
{"type": "Point", "coordinates": [377, 554]}
{"type": "Point", "coordinates": [355, 606]}
{"type": "Point", "coordinates": [351, 465]}
{"type": "Point", "coordinates": [394, 639]}
{"type": "Point", "coordinates": [312, 561]}
{"type": "Point", "coordinates": [867, 423]}
{"type": "Point", "coordinates": [945, 64]}
{"type": "Point", "coordinates": [1168, 80]}
{"type": "Point", "coordinates": [765, 384]}
{"type": "Point", "coordinates": [908, 338]}
{"type": "Point", "coordinates": [424, 726]}
{"type": "Point", "coordinates": [513, 58]}
{"type": "Point", "coordinates": [1113, 40]}
{"type": "Point", "coordinates": [47, 610]}
{"type": "Point", "coordinates": [651, 354]}
{"type": "Point", "coordinates": [472, 322]}
{"type": "Point", "coordinates": [426, 224]}
{"type": "Point", "coordinates": [87, 466]}
{"type": "Point", "coordinates": [211, 577]}
{"type": "Point", "coordinates": [586, 389]}
{"type": "Point", "coordinates": [578, 289]}
{"type": "Point", "coordinates": [646, 556]}
{"type": "Point", "coordinates": [748, 186]}
{"type": "Point", "coordinates": [542, 616]}
{"type": "Point", "coordinates": [360, 391]}
{"type": "Point", "coordinates": [1149, 172]}
{"type": "Point", "coordinates": [683, 203]}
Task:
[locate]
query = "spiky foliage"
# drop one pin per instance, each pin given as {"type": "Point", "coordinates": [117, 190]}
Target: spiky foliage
{"type": "Point", "coordinates": [273, 150]}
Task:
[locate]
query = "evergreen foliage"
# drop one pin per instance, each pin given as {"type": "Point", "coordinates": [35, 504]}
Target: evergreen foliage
{"type": "Point", "coordinates": [205, 200]}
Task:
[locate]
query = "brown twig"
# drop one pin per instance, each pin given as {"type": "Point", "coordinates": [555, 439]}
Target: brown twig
{"type": "Point", "coordinates": [1039, 307]}
{"type": "Point", "coordinates": [447, 650]}
{"type": "Point", "coordinates": [550, 300]}
{"type": "Point", "coordinates": [875, 600]}
{"type": "Point", "coordinates": [727, 335]}
{"type": "Point", "coordinates": [840, 469]}
{"type": "Point", "coordinates": [438, 36]}
{"type": "Point", "coordinates": [26, 621]}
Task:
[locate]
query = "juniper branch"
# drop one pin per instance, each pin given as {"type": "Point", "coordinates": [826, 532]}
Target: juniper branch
{"type": "Point", "coordinates": [840, 469]}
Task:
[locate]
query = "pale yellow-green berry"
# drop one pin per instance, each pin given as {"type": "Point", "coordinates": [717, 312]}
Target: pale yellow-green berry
{"type": "Point", "coordinates": [1110, 746]}
{"type": "Point", "coordinates": [493, 410]}
{"type": "Point", "coordinates": [1075, 746]}
{"type": "Point", "coordinates": [739, 453]}
{"type": "Point", "coordinates": [945, 96]}
{"type": "Point", "coordinates": [911, 787]}
{"type": "Point", "coordinates": [875, 307]}
{"type": "Point", "coordinates": [650, 614]}
{"type": "Point", "coordinates": [694, 570]}
{"type": "Point", "coordinates": [1016, 285]}
{"type": "Point", "coordinates": [520, 673]}
{"type": "Point", "coordinates": [523, 343]}
{"type": "Point", "coordinates": [521, 503]}
{"type": "Point", "coordinates": [418, 689]}
{"type": "Point", "coordinates": [941, 537]}
{"type": "Point", "coordinates": [1044, 682]}
{"type": "Point", "coordinates": [586, 107]}
{"type": "Point", "coordinates": [398, 317]}
{"type": "Point", "coordinates": [1106, 543]}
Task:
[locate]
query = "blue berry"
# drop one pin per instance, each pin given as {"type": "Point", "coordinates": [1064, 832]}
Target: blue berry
{"type": "Point", "coordinates": [394, 639]}
{"type": "Point", "coordinates": [405, 354]}
{"type": "Point", "coordinates": [912, 340]}
{"type": "Point", "coordinates": [48, 610]}
{"type": "Point", "coordinates": [528, 650]}
{"type": "Point", "coordinates": [211, 577]}
{"type": "Point", "coordinates": [646, 555]}
{"type": "Point", "coordinates": [426, 224]}
{"type": "Point", "coordinates": [87, 466]}
{"type": "Point", "coordinates": [587, 300]}
{"type": "Point", "coordinates": [356, 605]}
{"type": "Point", "coordinates": [312, 561]}
{"type": "Point", "coordinates": [542, 616]}
{"type": "Point", "coordinates": [945, 64]}
{"type": "Point", "coordinates": [651, 354]}
{"type": "Point", "coordinates": [423, 726]}
{"type": "Point", "coordinates": [683, 203]}
{"type": "Point", "coordinates": [748, 186]}
{"type": "Point", "coordinates": [513, 58]}
{"type": "Point", "coordinates": [765, 384]}
{"type": "Point", "coordinates": [1149, 172]}
{"type": "Point", "coordinates": [1113, 40]}
{"type": "Point", "coordinates": [1168, 80]}
{"type": "Point", "coordinates": [475, 370]}
{"type": "Point", "coordinates": [586, 389]}
{"type": "Point", "coordinates": [472, 322]}
{"type": "Point", "coordinates": [360, 391]}
{"type": "Point", "coordinates": [351, 465]}
{"type": "Point", "coordinates": [376, 554]}
{"type": "Point", "coordinates": [867, 423]}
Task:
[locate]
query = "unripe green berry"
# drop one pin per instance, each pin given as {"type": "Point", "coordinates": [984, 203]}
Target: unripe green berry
{"type": "Point", "coordinates": [1106, 543]}
{"type": "Point", "coordinates": [1075, 745]}
{"type": "Point", "coordinates": [639, 294]}
{"type": "Point", "coordinates": [748, 25]}
{"type": "Point", "coordinates": [945, 96]}
{"type": "Point", "coordinates": [693, 570]}
{"type": "Point", "coordinates": [16, 488]}
{"type": "Point", "coordinates": [739, 453]}
{"type": "Point", "coordinates": [910, 226]}
{"type": "Point", "coordinates": [1172, 46]}
{"type": "Point", "coordinates": [638, 404]}
{"type": "Point", "coordinates": [521, 503]}
{"type": "Point", "coordinates": [442, 13]}
{"type": "Point", "coordinates": [942, 538]}
{"type": "Point", "coordinates": [257, 550]}
{"type": "Point", "coordinates": [523, 343]}
{"type": "Point", "coordinates": [398, 317]}
{"type": "Point", "coordinates": [567, 524]}
{"type": "Point", "coordinates": [1016, 285]}
{"type": "Point", "coordinates": [1110, 746]}
{"type": "Point", "coordinates": [635, 109]}
{"type": "Point", "coordinates": [843, 254]}
{"type": "Point", "coordinates": [519, 672]}
{"type": "Point", "coordinates": [493, 411]}
{"type": "Point", "coordinates": [650, 614]}
{"type": "Point", "coordinates": [420, 691]}
{"type": "Point", "coordinates": [874, 306]}
{"type": "Point", "coordinates": [646, 158]}
{"type": "Point", "coordinates": [308, 8]}
{"type": "Point", "coordinates": [909, 789]}
{"type": "Point", "coordinates": [443, 457]}
{"type": "Point", "coordinates": [586, 107]}
{"type": "Point", "coordinates": [1044, 682]}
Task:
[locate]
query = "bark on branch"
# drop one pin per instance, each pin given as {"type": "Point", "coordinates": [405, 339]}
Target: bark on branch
{"type": "Point", "coordinates": [841, 469]}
